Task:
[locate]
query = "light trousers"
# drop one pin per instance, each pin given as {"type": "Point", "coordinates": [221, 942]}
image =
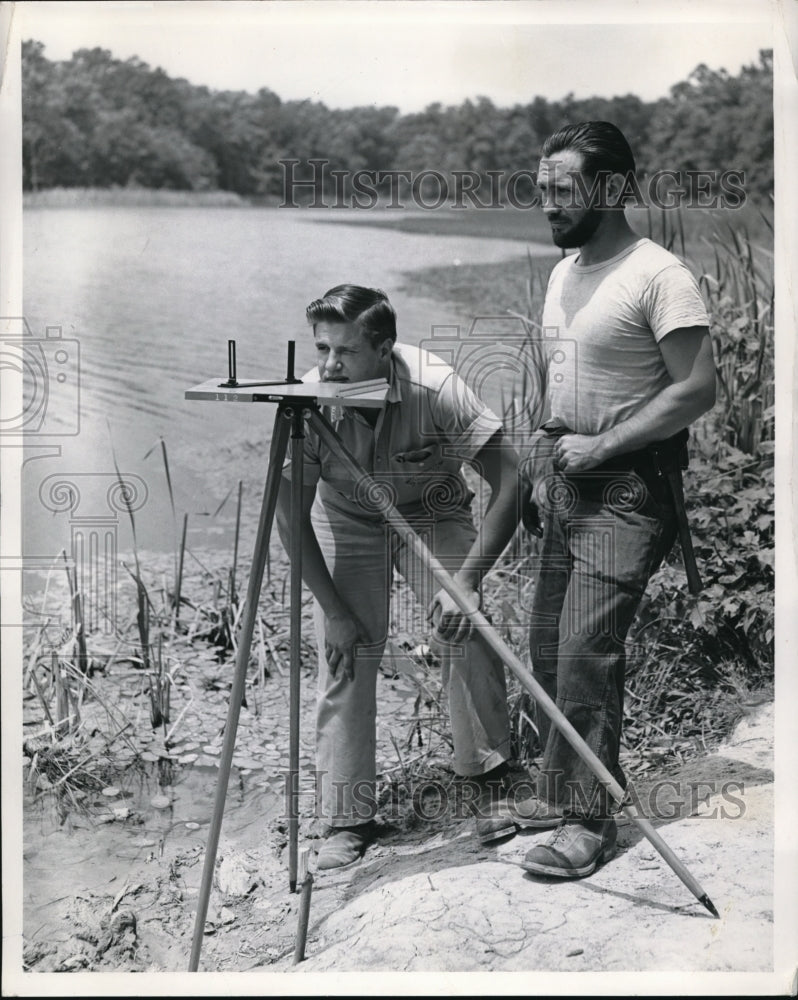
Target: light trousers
{"type": "Point", "coordinates": [361, 553]}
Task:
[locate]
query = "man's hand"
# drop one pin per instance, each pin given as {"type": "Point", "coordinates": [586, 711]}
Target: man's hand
{"type": "Point", "coordinates": [342, 632]}
{"type": "Point", "coordinates": [451, 625]}
{"type": "Point", "coordinates": [578, 452]}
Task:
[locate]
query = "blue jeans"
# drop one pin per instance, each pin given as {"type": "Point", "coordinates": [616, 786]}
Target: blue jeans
{"type": "Point", "coordinates": [604, 535]}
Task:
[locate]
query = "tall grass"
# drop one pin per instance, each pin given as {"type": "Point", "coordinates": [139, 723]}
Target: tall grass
{"type": "Point", "coordinates": [144, 607]}
{"type": "Point", "coordinates": [740, 295]}
{"type": "Point", "coordinates": [57, 673]}
{"type": "Point", "coordinates": [78, 621]}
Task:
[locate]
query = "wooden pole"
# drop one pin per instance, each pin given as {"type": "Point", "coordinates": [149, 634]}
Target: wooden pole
{"type": "Point", "coordinates": [268, 507]}
{"type": "Point", "coordinates": [306, 880]}
{"type": "Point", "coordinates": [295, 546]}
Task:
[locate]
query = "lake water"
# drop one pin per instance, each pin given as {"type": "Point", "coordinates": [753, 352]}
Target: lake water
{"type": "Point", "coordinates": [146, 300]}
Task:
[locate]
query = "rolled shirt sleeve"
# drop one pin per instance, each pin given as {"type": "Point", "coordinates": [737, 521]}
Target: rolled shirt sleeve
{"type": "Point", "coordinates": [466, 423]}
{"type": "Point", "coordinates": [672, 301]}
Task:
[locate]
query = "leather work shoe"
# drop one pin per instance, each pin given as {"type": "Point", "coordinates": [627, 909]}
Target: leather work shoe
{"type": "Point", "coordinates": [493, 821]}
{"type": "Point", "coordinates": [574, 850]}
{"type": "Point", "coordinates": [490, 828]}
{"type": "Point", "coordinates": [534, 813]}
{"type": "Point", "coordinates": [344, 846]}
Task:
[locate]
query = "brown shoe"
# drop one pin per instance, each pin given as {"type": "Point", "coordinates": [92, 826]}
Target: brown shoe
{"type": "Point", "coordinates": [492, 828]}
{"type": "Point", "coordinates": [493, 822]}
{"type": "Point", "coordinates": [345, 846]}
{"type": "Point", "coordinates": [534, 813]}
{"type": "Point", "coordinates": [574, 850]}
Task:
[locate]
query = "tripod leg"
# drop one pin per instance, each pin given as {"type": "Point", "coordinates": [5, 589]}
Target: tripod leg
{"type": "Point", "coordinates": [297, 438]}
{"type": "Point", "coordinates": [268, 507]}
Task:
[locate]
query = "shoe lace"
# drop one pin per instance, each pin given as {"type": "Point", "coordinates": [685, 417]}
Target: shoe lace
{"type": "Point", "coordinates": [559, 834]}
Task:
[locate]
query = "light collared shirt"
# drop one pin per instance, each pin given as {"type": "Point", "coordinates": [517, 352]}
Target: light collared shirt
{"type": "Point", "coordinates": [431, 423]}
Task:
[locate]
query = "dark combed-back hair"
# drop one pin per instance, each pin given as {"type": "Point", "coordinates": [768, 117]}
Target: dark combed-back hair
{"type": "Point", "coordinates": [368, 308]}
{"type": "Point", "coordinates": [603, 147]}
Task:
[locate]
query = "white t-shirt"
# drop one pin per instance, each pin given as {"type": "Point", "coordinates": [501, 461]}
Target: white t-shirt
{"type": "Point", "coordinates": [602, 324]}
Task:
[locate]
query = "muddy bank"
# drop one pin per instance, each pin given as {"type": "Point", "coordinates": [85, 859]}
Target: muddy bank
{"type": "Point", "coordinates": [111, 878]}
{"type": "Point", "coordinates": [427, 897]}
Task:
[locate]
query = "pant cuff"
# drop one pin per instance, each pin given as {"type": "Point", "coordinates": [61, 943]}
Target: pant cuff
{"type": "Point", "coordinates": [468, 769]}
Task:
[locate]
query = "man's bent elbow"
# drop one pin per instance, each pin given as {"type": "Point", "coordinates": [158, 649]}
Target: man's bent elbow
{"type": "Point", "coordinates": [706, 397]}
{"type": "Point", "coordinates": [696, 399]}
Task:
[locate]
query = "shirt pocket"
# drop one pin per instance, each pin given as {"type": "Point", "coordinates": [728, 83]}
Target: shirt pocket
{"type": "Point", "coordinates": [414, 466]}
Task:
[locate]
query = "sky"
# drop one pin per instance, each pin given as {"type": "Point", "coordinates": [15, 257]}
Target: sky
{"type": "Point", "coordinates": [388, 52]}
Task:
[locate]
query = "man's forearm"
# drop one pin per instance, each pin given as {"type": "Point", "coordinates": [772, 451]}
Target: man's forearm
{"type": "Point", "coordinates": [688, 356]}
{"type": "Point", "coordinates": [317, 577]}
{"type": "Point", "coordinates": [670, 411]}
{"type": "Point", "coordinates": [496, 530]}
{"type": "Point", "coordinates": [315, 574]}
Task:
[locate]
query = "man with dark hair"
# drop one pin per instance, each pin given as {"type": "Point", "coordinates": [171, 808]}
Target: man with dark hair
{"type": "Point", "coordinates": [630, 366]}
{"type": "Point", "coordinates": [414, 449]}
{"type": "Point", "coordinates": [602, 145]}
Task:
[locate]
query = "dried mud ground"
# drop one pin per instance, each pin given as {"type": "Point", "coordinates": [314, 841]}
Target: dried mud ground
{"type": "Point", "coordinates": [430, 899]}
{"type": "Point", "coordinates": [445, 904]}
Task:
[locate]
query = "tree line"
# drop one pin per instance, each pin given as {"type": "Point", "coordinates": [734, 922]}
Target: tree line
{"type": "Point", "coordinates": [97, 121]}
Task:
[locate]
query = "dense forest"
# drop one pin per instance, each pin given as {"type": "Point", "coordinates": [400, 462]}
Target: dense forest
{"type": "Point", "coordinates": [97, 121]}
